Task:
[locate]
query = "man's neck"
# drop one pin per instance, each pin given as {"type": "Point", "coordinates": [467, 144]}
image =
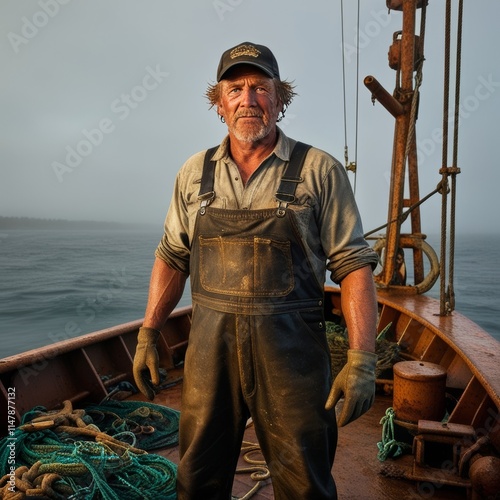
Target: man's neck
{"type": "Point", "coordinates": [248, 156]}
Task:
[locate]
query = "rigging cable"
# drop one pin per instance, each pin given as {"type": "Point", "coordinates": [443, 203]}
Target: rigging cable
{"type": "Point", "coordinates": [456, 170]}
{"type": "Point", "coordinates": [447, 297]}
{"type": "Point", "coordinates": [343, 79]}
{"type": "Point", "coordinates": [350, 166]}
{"type": "Point", "coordinates": [356, 123]}
{"type": "Point", "coordinates": [444, 307]}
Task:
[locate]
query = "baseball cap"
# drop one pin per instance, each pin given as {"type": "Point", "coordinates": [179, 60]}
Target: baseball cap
{"type": "Point", "coordinates": [248, 53]}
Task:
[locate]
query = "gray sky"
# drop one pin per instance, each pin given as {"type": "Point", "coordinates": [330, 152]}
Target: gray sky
{"type": "Point", "coordinates": [102, 100]}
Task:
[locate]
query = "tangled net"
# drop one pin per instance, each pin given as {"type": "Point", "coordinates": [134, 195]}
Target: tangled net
{"type": "Point", "coordinates": [65, 455]}
{"type": "Point", "coordinates": [388, 352]}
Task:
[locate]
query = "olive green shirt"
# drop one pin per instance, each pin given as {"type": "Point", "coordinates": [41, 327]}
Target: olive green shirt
{"type": "Point", "coordinates": [325, 207]}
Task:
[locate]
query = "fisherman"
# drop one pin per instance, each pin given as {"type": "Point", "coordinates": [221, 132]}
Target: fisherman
{"type": "Point", "coordinates": [256, 229]}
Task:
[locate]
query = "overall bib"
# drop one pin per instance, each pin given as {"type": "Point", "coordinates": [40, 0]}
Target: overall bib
{"type": "Point", "coordinates": [257, 348]}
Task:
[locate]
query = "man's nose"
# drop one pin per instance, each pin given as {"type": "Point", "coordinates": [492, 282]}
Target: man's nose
{"type": "Point", "coordinates": [248, 97]}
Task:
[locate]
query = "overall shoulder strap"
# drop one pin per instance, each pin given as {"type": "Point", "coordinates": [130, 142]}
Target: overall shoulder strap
{"type": "Point", "coordinates": [291, 177]}
{"type": "Point", "coordinates": [207, 193]}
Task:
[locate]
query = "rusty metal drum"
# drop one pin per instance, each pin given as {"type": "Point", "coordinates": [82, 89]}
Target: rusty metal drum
{"type": "Point", "coordinates": [419, 391]}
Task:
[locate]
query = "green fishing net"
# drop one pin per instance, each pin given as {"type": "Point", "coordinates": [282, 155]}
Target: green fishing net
{"type": "Point", "coordinates": [96, 453]}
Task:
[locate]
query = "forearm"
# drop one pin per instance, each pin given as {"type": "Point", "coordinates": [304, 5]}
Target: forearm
{"type": "Point", "coordinates": [359, 306]}
{"type": "Point", "coordinates": [165, 290]}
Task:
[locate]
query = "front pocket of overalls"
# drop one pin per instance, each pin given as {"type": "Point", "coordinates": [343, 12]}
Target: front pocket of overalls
{"type": "Point", "coordinates": [314, 323]}
{"type": "Point", "coordinates": [248, 267]}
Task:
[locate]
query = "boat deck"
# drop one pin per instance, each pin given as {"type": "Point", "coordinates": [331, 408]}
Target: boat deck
{"type": "Point", "coordinates": [84, 369]}
{"type": "Point", "coordinates": [356, 469]}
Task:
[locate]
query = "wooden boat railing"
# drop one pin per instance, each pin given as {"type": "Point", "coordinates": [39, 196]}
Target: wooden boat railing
{"type": "Point", "coordinates": [84, 368]}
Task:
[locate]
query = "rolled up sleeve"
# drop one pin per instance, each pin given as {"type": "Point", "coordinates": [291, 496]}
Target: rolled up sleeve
{"type": "Point", "coordinates": [341, 228]}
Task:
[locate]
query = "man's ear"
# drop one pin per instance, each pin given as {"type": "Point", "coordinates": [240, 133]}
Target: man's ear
{"type": "Point", "coordinates": [220, 114]}
{"type": "Point", "coordinates": [280, 106]}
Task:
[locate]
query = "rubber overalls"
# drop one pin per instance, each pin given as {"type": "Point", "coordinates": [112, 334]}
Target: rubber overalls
{"type": "Point", "coordinates": [257, 348]}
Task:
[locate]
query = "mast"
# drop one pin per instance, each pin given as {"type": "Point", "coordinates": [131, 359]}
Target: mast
{"type": "Point", "coordinates": [406, 57]}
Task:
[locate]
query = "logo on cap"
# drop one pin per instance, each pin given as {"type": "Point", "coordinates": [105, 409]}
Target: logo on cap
{"type": "Point", "coordinates": [244, 50]}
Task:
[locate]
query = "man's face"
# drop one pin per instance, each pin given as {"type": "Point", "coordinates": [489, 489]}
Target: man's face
{"type": "Point", "coordinates": [249, 103]}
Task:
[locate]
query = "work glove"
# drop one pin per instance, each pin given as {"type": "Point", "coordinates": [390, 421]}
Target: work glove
{"type": "Point", "coordinates": [146, 360]}
{"type": "Point", "coordinates": [356, 381]}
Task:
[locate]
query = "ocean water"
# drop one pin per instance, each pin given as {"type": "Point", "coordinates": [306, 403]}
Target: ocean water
{"type": "Point", "coordinates": [58, 284]}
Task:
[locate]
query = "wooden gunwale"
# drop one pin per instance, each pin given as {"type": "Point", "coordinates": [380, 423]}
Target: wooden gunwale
{"type": "Point", "coordinates": [58, 348]}
{"type": "Point", "coordinates": [477, 349]}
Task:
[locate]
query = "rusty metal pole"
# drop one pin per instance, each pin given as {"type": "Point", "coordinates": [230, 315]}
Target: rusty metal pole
{"type": "Point", "coordinates": [404, 95]}
{"type": "Point", "coordinates": [383, 97]}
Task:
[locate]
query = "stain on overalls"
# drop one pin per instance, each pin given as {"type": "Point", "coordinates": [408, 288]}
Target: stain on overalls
{"type": "Point", "coordinates": [257, 348]}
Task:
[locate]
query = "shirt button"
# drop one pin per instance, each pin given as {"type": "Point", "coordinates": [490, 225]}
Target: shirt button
{"type": "Point", "coordinates": [320, 302]}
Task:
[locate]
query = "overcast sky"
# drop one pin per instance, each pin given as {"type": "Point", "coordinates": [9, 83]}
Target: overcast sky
{"type": "Point", "coordinates": [102, 100]}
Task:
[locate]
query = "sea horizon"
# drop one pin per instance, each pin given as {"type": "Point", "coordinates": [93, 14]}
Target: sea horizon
{"type": "Point", "coordinates": [57, 284]}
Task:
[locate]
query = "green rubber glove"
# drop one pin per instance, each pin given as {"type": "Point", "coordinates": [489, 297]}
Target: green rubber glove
{"type": "Point", "coordinates": [146, 360]}
{"type": "Point", "coordinates": [356, 381]}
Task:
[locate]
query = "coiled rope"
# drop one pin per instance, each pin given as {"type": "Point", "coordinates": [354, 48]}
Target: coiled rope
{"type": "Point", "coordinates": [64, 454]}
{"type": "Point", "coordinates": [257, 468]}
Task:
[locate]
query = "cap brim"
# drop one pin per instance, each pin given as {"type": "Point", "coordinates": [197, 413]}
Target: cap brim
{"type": "Point", "coordinates": [267, 71]}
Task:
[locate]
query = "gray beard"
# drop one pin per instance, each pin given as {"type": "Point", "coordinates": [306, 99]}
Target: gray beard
{"type": "Point", "coordinates": [250, 135]}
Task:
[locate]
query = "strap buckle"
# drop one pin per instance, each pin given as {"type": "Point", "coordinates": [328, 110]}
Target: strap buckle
{"type": "Point", "coordinates": [206, 199]}
{"type": "Point", "coordinates": [280, 212]}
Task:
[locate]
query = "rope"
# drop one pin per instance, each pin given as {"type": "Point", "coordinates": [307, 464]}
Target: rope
{"type": "Point", "coordinates": [85, 469]}
{"type": "Point", "coordinates": [258, 469]}
{"type": "Point", "coordinates": [447, 296]}
{"type": "Point", "coordinates": [153, 426]}
{"type": "Point", "coordinates": [389, 447]}
{"type": "Point", "coordinates": [451, 291]}
{"type": "Point", "coordinates": [31, 482]}
{"type": "Point", "coordinates": [407, 212]}
{"type": "Point", "coordinates": [444, 306]}
{"type": "Point", "coordinates": [63, 454]}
